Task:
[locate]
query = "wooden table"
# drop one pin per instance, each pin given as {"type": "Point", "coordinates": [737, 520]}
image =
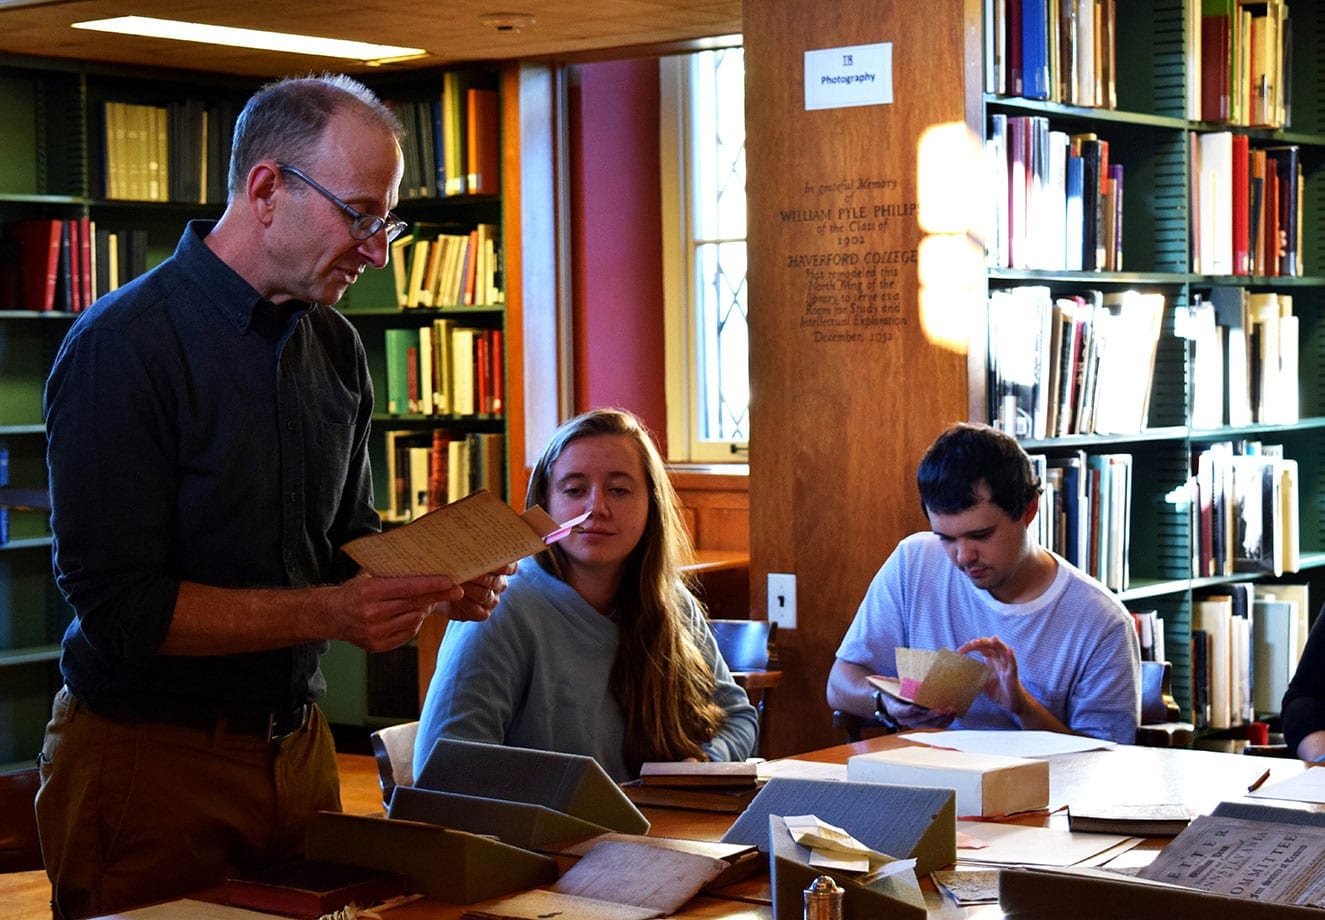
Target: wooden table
{"type": "Point", "coordinates": [1198, 779]}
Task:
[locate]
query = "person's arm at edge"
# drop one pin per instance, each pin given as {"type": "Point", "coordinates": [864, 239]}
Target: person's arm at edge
{"type": "Point", "coordinates": [1303, 707]}
{"type": "Point", "coordinates": [849, 690]}
{"type": "Point", "coordinates": [376, 614]}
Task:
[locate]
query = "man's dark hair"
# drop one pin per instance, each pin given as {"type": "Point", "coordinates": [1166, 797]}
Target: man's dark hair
{"type": "Point", "coordinates": [967, 455]}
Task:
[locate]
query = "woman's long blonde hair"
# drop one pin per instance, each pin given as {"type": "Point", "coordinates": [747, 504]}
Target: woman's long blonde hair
{"type": "Point", "coordinates": [660, 678]}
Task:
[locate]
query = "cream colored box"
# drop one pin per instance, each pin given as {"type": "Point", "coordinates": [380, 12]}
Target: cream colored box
{"type": "Point", "coordinates": [986, 784]}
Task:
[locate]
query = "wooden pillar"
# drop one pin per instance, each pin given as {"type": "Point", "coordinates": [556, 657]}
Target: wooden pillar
{"type": "Point", "coordinates": [863, 292]}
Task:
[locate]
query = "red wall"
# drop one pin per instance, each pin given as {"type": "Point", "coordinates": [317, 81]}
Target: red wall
{"type": "Point", "coordinates": [616, 240]}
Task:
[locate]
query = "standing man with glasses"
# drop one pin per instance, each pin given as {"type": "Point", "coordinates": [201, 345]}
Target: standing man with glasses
{"type": "Point", "coordinates": [208, 453]}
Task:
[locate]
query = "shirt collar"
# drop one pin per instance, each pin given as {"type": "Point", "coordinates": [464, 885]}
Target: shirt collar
{"type": "Point", "coordinates": [236, 302]}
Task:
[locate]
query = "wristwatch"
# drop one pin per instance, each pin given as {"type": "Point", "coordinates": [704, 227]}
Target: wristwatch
{"type": "Point", "coordinates": [881, 713]}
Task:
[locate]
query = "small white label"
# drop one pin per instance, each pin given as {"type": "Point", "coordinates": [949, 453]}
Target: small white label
{"type": "Point", "coordinates": [836, 78]}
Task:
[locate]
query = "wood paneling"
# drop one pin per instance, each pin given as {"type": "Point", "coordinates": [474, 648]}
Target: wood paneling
{"type": "Point", "coordinates": [716, 506]}
{"type": "Point", "coordinates": [838, 420]}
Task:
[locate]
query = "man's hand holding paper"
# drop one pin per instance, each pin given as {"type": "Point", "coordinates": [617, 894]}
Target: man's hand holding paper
{"type": "Point", "coordinates": [452, 562]}
{"type": "Point", "coordinates": [932, 688]}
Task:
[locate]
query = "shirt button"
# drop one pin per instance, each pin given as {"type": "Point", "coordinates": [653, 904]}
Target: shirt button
{"type": "Point", "coordinates": [293, 497]}
{"type": "Point", "coordinates": [289, 426]}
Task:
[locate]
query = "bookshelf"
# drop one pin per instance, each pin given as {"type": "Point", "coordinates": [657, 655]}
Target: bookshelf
{"type": "Point", "coordinates": [1164, 241]}
{"type": "Point", "coordinates": [53, 167]}
{"type": "Point", "coordinates": [833, 457]}
{"type": "Point", "coordinates": [52, 176]}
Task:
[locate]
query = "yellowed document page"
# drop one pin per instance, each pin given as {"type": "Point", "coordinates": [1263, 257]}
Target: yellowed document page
{"type": "Point", "coordinates": [479, 533]}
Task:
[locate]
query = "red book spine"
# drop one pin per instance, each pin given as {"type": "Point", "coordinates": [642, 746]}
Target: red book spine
{"type": "Point", "coordinates": [1241, 206]}
{"type": "Point", "coordinates": [412, 372]}
{"type": "Point", "coordinates": [498, 372]}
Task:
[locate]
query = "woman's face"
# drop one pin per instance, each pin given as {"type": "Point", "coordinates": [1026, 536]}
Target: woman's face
{"type": "Point", "coordinates": [604, 475]}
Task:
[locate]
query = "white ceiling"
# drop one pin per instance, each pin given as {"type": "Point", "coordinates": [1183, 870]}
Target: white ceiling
{"type": "Point", "coordinates": [450, 30]}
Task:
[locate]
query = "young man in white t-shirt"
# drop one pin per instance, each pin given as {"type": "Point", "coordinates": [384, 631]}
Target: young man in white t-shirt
{"type": "Point", "coordinates": [1062, 650]}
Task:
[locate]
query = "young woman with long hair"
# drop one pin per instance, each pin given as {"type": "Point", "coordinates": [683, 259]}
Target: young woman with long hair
{"type": "Point", "coordinates": [597, 646]}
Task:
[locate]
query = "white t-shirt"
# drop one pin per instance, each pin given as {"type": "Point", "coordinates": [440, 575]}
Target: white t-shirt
{"type": "Point", "coordinates": [1076, 645]}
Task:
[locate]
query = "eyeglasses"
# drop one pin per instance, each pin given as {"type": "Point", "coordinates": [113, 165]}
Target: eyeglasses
{"type": "Point", "coordinates": [362, 226]}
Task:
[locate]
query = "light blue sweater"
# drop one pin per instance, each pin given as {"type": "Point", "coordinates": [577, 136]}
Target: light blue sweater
{"type": "Point", "coordinates": [535, 675]}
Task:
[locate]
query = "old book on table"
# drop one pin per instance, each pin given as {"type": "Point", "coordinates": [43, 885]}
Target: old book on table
{"type": "Point", "coordinates": [312, 888]}
{"type": "Point", "coordinates": [187, 909]}
{"type": "Point", "coordinates": [1034, 893]}
{"type": "Point", "coordinates": [986, 784]}
{"type": "Point", "coordinates": [467, 538]}
{"type": "Point", "coordinates": [729, 799]}
{"type": "Point", "coordinates": [618, 878]}
{"type": "Point", "coordinates": [640, 875]}
{"type": "Point", "coordinates": [540, 904]}
{"type": "Point", "coordinates": [687, 775]}
{"type": "Point", "coordinates": [742, 860]}
{"type": "Point", "coordinates": [1264, 854]}
{"type": "Point", "coordinates": [1147, 820]}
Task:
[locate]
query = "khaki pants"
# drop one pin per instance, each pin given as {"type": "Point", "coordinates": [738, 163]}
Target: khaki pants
{"type": "Point", "coordinates": [131, 813]}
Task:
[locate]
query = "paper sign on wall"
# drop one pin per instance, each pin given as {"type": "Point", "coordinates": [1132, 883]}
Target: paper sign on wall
{"type": "Point", "coordinates": [837, 78]}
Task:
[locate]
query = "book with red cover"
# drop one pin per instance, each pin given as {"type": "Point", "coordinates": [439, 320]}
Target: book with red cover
{"type": "Point", "coordinates": [1288, 169]}
{"type": "Point", "coordinates": [1241, 206]}
{"type": "Point", "coordinates": [1216, 51]}
{"type": "Point", "coordinates": [313, 888]}
{"type": "Point", "coordinates": [481, 145]}
{"type": "Point", "coordinates": [483, 372]}
{"type": "Point", "coordinates": [1270, 206]}
{"type": "Point", "coordinates": [498, 371]}
{"type": "Point", "coordinates": [38, 261]}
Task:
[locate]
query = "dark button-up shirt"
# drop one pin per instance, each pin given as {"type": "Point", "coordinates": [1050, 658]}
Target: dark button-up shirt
{"type": "Point", "coordinates": [197, 432]}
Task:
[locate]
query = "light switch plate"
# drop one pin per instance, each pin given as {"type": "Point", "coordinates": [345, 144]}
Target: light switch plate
{"type": "Point", "coordinates": [782, 600]}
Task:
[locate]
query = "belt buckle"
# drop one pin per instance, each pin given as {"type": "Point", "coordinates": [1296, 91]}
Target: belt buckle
{"type": "Point", "coordinates": [275, 734]}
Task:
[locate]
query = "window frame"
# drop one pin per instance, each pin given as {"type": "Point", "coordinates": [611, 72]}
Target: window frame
{"type": "Point", "coordinates": [684, 390]}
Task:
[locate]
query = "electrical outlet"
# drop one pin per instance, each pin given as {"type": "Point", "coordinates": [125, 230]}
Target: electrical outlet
{"type": "Point", "coordinates": [782, 600]}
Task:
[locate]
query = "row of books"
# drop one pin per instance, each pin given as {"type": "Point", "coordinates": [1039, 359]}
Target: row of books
{"type": "Point", "coordinates": [429, 469]}
{"type": "Point", "coordinates": [1245, 510]}
{"type": "Point", "coordinates": [1238, 66]}
{"type": "Point", "coordinates": [1057, 201]}
{"type": "Point", "coordinates": [444, 369]}
{"type": "Point", "coordinates": [1244, 58]}
{"type": "Point", "coordinates": [434, 267]}
{"type": "Point", "coordinates": [1085, 512]}
{"type": "Point", "coordinates": [451, 143]}
{"type": "Point", "coordinates": [175, 152]}
{"type": "Point", "coordinates": [1245, 348]}
{"type": "Point", "coordinates": [1079, 363]}
{"type": "Point", "coordinates": [64, 264]}
{"type": "Point", "coordinates": [1059, 50]}
{"type": "Point", "coordinates": [1247, 640]}
{"type": "Point", "coordinates": [1246, 206]}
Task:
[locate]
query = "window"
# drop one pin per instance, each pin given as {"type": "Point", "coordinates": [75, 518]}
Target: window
{"type": "Point", "coordinates": [703, 144]}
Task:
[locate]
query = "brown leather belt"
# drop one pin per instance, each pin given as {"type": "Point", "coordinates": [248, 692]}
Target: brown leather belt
{"type": "Point", "coordinates": [267, 726]}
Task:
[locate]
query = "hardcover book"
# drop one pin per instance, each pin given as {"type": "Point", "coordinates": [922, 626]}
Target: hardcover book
{"type": "Point", "coordinates": [312, 888]}
{"type": "Point", "coordinates": [1147, 820]}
